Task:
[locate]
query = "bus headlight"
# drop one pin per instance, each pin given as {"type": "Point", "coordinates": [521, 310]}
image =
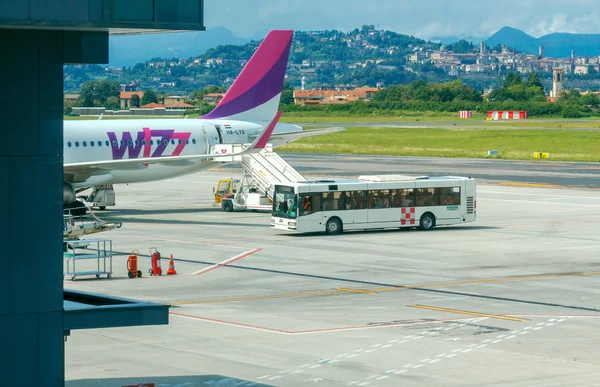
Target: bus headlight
{"type": "Point", "coordinates": [292, 223]}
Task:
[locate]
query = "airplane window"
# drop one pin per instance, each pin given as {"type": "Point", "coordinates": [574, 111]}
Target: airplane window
{"type": "Point", "coordinates": [137, 143]}
{"type": "Point", "coordinates": [84, 143]}
{"type": "Point", "coordinates": [91, 143]}
{"type": "Point", "coordinates": [166, 142]}
{"type": "Point", "coordinates": [143, 142]}
{"type": "Point", "coordinates": [128, 142]}
{"type": "Point", "coordinates": [173, 142]}
{"type": "Point", "coordinates": [114, 143]}
{"type": "Point", "coordinates": [99, 143]}
{"type": "Point", "coordinates": [122, 142]}
{"type": "Point", "coordinates": [69, 144]}
{"type": "Point", "coordinates": [151, 142]}
{"type": "Point", "coordinates": [179, 142]}
{"type": "Point", "coordinates": [187, 142]}
{"type": "Point", "coordinates": [77, 143]}
{"type": "Point", "coordinates": [193, 141]}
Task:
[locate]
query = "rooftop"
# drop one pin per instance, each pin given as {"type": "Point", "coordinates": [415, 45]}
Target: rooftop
{"type": "Point", "coordinates": [383, 179]}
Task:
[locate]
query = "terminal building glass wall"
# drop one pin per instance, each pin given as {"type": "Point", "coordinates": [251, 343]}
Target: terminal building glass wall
{"type": "Point", "coordinates": [37, 38]}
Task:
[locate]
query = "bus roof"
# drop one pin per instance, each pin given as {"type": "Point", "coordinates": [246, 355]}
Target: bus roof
{"type": "Point", "coordinates": [379, 178]}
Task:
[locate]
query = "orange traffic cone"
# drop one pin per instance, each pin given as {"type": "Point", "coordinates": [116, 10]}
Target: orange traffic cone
{"type": "Point", "coordinates": [171, 270]}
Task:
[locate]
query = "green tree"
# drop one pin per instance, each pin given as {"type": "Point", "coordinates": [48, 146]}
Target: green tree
{"type": "Point", "coordinates": [534, 80]}
{"type": "Point", "coordinates": [512, 79]}
{"type": "Point", "coordinates": [112, 103]}
{"type": "Point", "coordinates": [287, 94]}
{"type": "Point", "coordinates": [590, 99]}
{"type": "Point", "coordinates": [92, 91]}
{"type": "Point", "coordinates": [135, 101]}
{"type": "Point", "coordinates": [149, 97]}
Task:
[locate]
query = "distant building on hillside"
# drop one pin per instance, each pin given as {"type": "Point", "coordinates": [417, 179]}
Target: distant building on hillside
{"type": "Point", "coordinates": [125, 98]}
{"type": "Point", "coordinates": [321, 97]}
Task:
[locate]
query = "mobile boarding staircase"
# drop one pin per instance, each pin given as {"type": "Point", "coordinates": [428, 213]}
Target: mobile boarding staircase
{"type": "Point", "coordinates": [266, 168]}
{"type": "Point", "coordinates": [261, 172]}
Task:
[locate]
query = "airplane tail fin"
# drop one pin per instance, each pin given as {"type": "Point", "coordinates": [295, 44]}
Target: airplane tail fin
{"type": "Point", "coordinates": [255, 94]}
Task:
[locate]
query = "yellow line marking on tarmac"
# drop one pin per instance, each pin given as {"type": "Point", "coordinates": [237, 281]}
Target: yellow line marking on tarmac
{"type": "Point", "coordinates": [339, 291]}
{"type": "Point", "coordinates": [323, 293]}
{"type": "Point", "coordinates": [355, 291]}
{"type": "Point", "coordinates": [458, 311]}
{"type": "Point", "coordinates": [483, 281]}
{"type": "Point", "coordinates": [535, 185]}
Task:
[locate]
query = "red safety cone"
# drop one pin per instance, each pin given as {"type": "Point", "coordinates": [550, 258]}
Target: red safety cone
{"type": "Point", "coordinates": [171, 270]}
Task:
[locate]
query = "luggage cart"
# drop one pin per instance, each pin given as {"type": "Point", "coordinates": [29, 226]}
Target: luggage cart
{"type": "Point", "coordinates": [88, 249]}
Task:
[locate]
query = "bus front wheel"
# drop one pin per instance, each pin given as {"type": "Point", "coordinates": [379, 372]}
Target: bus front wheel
{"type": "Point", "coordinates": [427, 222]}
{"type": "Point", "coordinates": [334, 226]}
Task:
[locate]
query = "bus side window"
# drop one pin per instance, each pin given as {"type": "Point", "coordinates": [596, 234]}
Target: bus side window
{"type": "Point", "coordinates": [408, 198]}
{"type": "Point", "coordinates": [426, 197]}
{"type": "Point", "coordinates": [331, 201]}
{"type": "Point", "coordinates": [309, 204]}
{"type": "Point", "coordinates": [450, 196]}
{"type": "Point", "coordinates": [358, 200]}
{"type": "Point", "coordinates": [396, 197]}
{"type": "Point", "coordinates": [372, 199]}
{"type": "Point", "coordinates": [316, 203]}
{"type": "Point", "coordinates": [435, 196]}
{"type": "Point", "coordinates": [379, 199]}
{"type": "Point", "coordinates": [346, 202]}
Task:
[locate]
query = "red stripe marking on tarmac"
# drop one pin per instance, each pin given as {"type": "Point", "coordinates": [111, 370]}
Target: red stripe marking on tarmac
{"type": "Point", "coordinates": [227, 262]}
{"type": "Point", "coordinates": [231, 323]}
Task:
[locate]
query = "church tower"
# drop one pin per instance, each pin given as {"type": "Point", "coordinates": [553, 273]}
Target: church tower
{"type": "Point", "coordinates": [557, 82]}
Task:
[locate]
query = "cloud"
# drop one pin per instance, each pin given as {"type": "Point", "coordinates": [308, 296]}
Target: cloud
{"type": "Point", "coordinates": [423, 18]}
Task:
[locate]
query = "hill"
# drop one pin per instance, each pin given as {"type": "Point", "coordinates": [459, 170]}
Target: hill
{"type": "Point", "coordinates": [556, 45]}
{"type": "Point", "coordinates": [128, 50]}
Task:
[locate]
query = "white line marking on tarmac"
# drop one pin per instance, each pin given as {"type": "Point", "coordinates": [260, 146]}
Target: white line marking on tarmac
{"type": "Point", "coordinates": [471, 347]}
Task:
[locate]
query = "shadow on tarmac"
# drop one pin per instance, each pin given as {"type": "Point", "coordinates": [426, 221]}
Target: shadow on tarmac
{"type": "Point", "coordinates": [388, 231]}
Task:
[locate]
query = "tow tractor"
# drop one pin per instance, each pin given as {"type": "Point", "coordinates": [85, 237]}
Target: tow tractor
{"type": "Point", "coordinates": [234, 194]}
{"type": "Point", "coordinates": [254, 191]}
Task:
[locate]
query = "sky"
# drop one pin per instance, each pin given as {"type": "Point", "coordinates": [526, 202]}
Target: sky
{"type": "Point", "coordinates": [425, 19]}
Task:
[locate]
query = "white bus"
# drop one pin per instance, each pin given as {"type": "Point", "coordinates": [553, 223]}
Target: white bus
{"type": "Point", "coordinates": [373, 202]}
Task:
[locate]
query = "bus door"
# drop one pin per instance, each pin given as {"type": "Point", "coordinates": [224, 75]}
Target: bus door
{"type": "Point", "coordinates": [381, 207]}
{"type": "Point", "coordinates": [351, 207]}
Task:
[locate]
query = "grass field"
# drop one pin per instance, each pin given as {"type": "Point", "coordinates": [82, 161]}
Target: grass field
{"type": "Point", "coordinates": [563, 145]}
{"type": "Point", "coordinates": [466, 140]}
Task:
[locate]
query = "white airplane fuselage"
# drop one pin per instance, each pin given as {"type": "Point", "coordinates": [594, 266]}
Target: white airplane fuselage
{"type": "Point", "coordinates": [104, 140]}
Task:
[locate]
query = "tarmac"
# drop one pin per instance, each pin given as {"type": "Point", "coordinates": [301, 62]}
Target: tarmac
{"type": "Point", "coordinates": [509, 300]}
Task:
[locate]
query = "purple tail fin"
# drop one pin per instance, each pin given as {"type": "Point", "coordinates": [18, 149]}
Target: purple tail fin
{"type": "Point", "coordinates": [255, 94]}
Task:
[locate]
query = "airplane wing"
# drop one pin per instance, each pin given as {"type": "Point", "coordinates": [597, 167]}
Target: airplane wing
{"type": "Point", "coordinates": [84, 170]}
{"type": "Point", "coordinates": [280, 139]}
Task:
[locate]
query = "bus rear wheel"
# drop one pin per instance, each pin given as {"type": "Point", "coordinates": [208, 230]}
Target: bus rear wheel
{"type": "Point", "coordinates": [427, 222]}
{"type": "Point", "coordinates": [334, 226]}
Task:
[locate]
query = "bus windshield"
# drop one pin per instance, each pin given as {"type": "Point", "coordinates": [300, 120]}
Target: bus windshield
{"type": "Point", "coordinates": [285, 205]}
